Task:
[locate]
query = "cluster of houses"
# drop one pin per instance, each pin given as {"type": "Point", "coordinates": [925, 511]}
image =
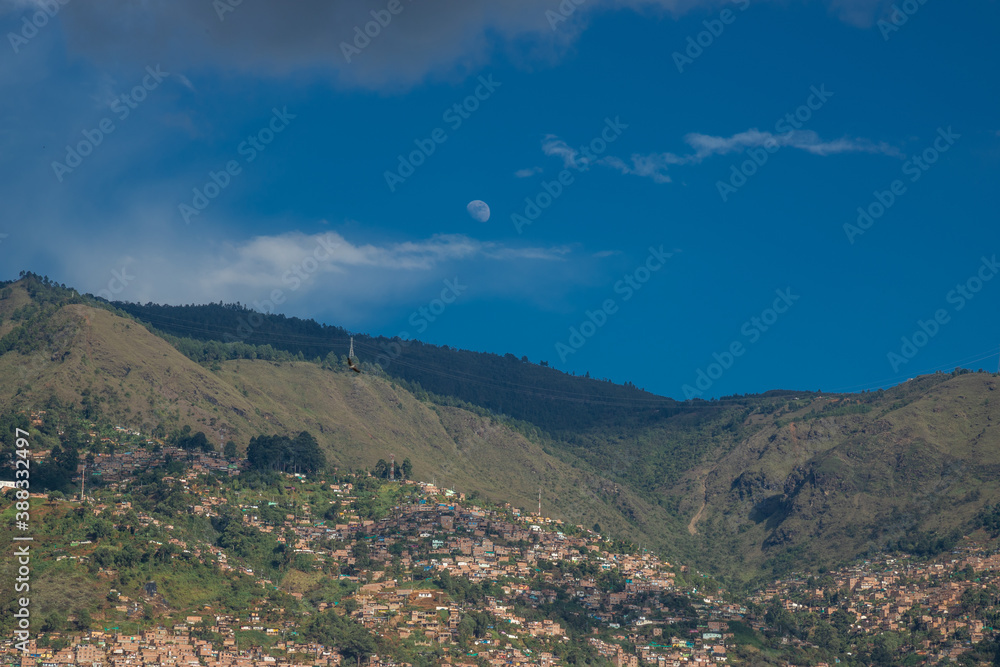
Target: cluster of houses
{"type": "Point", "coordinates": [437, 533]}
{"type": "Point", "coordinates": [161, 646]}
{"type": "Point", "coordinates": [899, 594]}
{"type": "Point", "coordinates": [121, 467]}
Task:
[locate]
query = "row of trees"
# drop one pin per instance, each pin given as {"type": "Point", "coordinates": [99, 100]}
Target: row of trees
{"type": "Point", "coordinates": [403, 471]}
{"type": "Point", "coordinates": [192, 442]}
{"type": "Point", "coordinates": [281, 453]}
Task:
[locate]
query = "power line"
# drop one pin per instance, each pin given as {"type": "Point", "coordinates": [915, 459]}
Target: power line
{"type": "Point", "coordinates": [924, 371]}
{"type": "Point", "coordinates": [584, 397]}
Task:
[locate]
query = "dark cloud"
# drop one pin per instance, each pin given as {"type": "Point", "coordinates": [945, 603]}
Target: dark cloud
{"type": "Point", "coordinates": [427, 39]}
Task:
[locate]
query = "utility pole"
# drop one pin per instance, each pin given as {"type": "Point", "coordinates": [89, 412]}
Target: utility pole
{"type": "Point", "coordinates": [83, 481]}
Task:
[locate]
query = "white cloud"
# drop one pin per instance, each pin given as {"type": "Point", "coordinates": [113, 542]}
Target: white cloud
{"type": "Point", "coordinates": [649, 166]}
{"type": "Point", "coordinates": [806, 140]}
{"type": "Point", "coordinates": [527, 173]}
{"type": "Point", "coordinates": [265, 260]}
{"type": "Point", "coordinates": [352, 282]}
{"type": "Point", "coordinates": [704, 146]}
{"type": "Point", "coordinates": [553, 146]}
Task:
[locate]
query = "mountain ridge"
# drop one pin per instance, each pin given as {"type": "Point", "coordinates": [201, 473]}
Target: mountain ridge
{"type": "Point", "coordinates": [747, 487]}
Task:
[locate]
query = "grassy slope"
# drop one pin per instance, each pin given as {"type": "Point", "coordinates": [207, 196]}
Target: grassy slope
{"type": "Point", "coordinates": [357, 419]}
{"type": "Point", "coordinates": [826, 489]}
{"type": "Point", "coordinates": [786, 484]}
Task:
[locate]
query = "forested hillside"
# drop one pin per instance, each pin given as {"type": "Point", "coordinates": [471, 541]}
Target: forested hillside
{"type": "Point", "coordinates": [551, 399]}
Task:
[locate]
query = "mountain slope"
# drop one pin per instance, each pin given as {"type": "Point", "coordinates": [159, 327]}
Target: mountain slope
{"type": "Point", "coordinates": [814, 489]}
{"type": "Point", "coordinates": [745, 487]}
{"type": "Point", "coordinates": [551, 399]}
{"type": "Point", "coordinates": [137, 379]}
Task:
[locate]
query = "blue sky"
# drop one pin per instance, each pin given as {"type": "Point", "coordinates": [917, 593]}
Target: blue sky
{"type": "Point", "coordinates": [707, 159]}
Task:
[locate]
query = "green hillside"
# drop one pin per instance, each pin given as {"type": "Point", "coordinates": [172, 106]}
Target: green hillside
{"type": "Point", "coordinates": [909, 473]}
{"type": "Point", "coordinates": [107, 365]}
{"type": "Point", "coordinates": [551, 399]}
{"type": "Point", "coordinates": [746, 487]}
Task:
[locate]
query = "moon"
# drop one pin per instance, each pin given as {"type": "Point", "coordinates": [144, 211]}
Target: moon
{"type": "Point", "coordinates": [479, 210]}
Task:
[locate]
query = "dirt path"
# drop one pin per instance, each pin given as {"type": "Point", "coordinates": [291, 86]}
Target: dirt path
{"type": "Point", "coordinates": [692, 526]}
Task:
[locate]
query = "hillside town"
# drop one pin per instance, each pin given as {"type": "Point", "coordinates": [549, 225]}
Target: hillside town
{"type": "Point", "coordinates": [476, 544]}
{"type": "Point", "coordinates": [395, 570]}
{"type": "Point", "coordinates": [433, 573]}
{"type": "Point", "coordinates": [948, 598]}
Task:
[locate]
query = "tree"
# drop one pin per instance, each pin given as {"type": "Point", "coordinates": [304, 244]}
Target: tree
{"type": "Point", "coordinates": [279, 452]}
{"type": "Point", "coordinates": [54, 622]}
{"type": "Point", "coordinates": [57, 470]}
{"type": "Point", "coordinates": [358, 644]}
{"type": "Point", "coordinates": [306, 454]}
{"type": "Point", "coordinates": [99, 530]}
{"type": "Point", "coordinates": [165, 554]}
{"type": "Point", "coordinates": [195, 442]}
{"type": "Point", "coordinates": [103, 557]}
{"type": "Point", "coordinates": [406, 469]}
{"type": "Point", "coordinates": [230, 450]}
{"type": "Point", "coordinates": [350, 638]}
{"type": "Point", "coordinates": [128, 557]}
{"type": "Point", "coordinates": [83, 620]}
{"type": "Point", "coordinates": [362, 558]}
{"type": "Point", "coordinates": [825, 636]}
